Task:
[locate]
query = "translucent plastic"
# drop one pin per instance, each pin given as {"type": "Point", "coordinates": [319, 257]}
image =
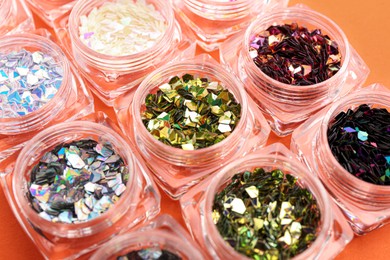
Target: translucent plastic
{"type": "Point", "coordinates": [72, 100]}
{"type": "Point", "coordinates": [365, 205]}
{"type": "Point", "coordinates": [139, 202]}
{"type": "Point", "coordinates": [212, 22]}
{"type": "Point", "coordinates": [50, 10]}
{"type": "Point", "coordinates": [334, 233]}
{"type": "Point", "coordinates": [15, 17]}
{"type": "Point", "coordinates": [287, 106]}
{"type": "Point", "coordinates": [113, 76]}
{"type": "Point", "coordinates": [163, 232]}
{"type": "Point", "coordinates": [175, 169]}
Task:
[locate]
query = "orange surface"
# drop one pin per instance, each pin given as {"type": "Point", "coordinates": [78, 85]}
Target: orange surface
{"type": "Point", "coordinates": [366, 25]}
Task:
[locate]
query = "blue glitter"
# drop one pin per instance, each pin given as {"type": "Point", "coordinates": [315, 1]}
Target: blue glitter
{"type": "Point", "coordinates": [349, 130]}
{"type": "Point", "coordinates": [14, 98]}
{"type": "Point", "coordinates": [388, 159]}
{"type": "Point", "coordinates": [363, 136]}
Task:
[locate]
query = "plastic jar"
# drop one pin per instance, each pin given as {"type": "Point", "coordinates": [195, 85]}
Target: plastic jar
{"type": "Point", "coordinates": [15, 17]}
{"type": "Point", "coordinates": [176, 170]}
{"type": "Point", "coordinates": [112, 76]}
{"type": "Point", "coordinates": [212, 22]}
{"type": "Point", "coordinates": [50, 10]}
{"type": "Point", "coordinates": [287, 106]}
{"type": "Point", "coordinates": [72, 100]}
{"type": "Point", "coordinates": [333, 234]}
{"type": "Point", "coordinates": [365, 205]}
{"type": "Point", "coordinates": [139, 202]}
{"type": "Point", "coordinates": [163, 233]}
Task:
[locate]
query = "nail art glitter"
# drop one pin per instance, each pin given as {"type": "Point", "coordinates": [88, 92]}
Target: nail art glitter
{"type": "Point", "coordinates": [266, 215]}
{"type": "Point", "coordinates": [154, 253]}
{"type": "Point", "coordinates": [292, 54]}
{"type": "Point", "coordinates": [122, 27]}
{"type": "Point", "coordinates": [77, 182]}
{"type": "Point", "coordinates": [360, 141]}
{"type": "Point", "coordinates": [191, 113]}
{"type": "Point", "coordinates": [28, 81]}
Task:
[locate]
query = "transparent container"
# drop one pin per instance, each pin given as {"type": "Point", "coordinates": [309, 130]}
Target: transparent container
{"type": "Point", "coordinates": [50, 10]}
{"type": "Point", "coordinates": [334, 232]}
{"type": "Point", "coordinates": [72, 100]}
{"type": "Point", "coordinates": [15, 17]}
{"type": "Point", "coordinates": [163, 232]}
{"type": "Point", "coordinates": [212, 22]}
{"type": "Point", "coordinates": [365, 205]}
{"type": "Point", "coordinates": [139, 203]}
{"type": "Point", "coordinates": [176, 170]}
{"type": "Point", "coordinates": [287, 106]}
{"type": "Point", "coordinates": [112, 76]}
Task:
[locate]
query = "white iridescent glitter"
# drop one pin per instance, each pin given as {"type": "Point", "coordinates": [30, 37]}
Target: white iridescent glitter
{"type": "Point", "coordinates": [122, 27]}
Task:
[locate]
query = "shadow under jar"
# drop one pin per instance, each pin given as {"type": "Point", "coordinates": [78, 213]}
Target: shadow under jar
{"type": "Point", "coordinates": [212, 22]}
{"type": "Point", "coordinates": [286, 106]}
{"type": "Point", "coordinates": [331, 233]}
{"type": "Point", "coordinates": [50, 10]}
{"type": "Point", "coordinates": [161, 239]}
{"type": "Point", "coordinates": [175, 169]}
{"type": "Point", "coordinates": [113, 75]}
{"type": "Point", "coordinates": [139, 201]}
{"type": "Point", "coordinates": [36, 94]}
{"type": "Point", "coordinates": [366, 205]}
{"type": "Point", "coordinates": [15, 17]}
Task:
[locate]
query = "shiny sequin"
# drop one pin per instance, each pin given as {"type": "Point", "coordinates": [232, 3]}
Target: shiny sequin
{"type": "Point", "coordinates": [266, 215]}
{"type": "Point", "coordinates": [77, 181]}
{"type": "Point", "coordinates": [28, 81]}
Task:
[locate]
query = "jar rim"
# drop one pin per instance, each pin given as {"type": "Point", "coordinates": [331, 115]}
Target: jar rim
{"type": "Point", "coordinates": [230, 83]}
{"type": "Point", "coordinates": [139, 238]}
{"type": "Point", "coordinates": [342, 175]}
{"type": "Point", "coordinates": [296, 13]}
{"type": "Point", "coordinates": [279, 161]}
{"type": "Point", "coordinates": [68, 130]}
{"type": "Point", "coordinates": [45, 45]}
{"type": "Point", "coordinates": [86, 6]}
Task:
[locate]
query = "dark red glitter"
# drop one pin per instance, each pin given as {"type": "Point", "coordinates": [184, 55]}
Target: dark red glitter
{"type": "Point", "coordinates": [294, 55]}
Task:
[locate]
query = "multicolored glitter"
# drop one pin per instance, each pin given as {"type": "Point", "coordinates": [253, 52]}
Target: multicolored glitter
{"type": "Point", "coordinates": [266, 215]}
{"type": "Point", "coordinates": [122, 27]}
{"type": "Point", "coordinates": [360, 141]}
{"type": "Point", "coordinates": [191, 113]}
{"type": "Point", "coordinates": [77, 181]}
{"type": "Point", "coordinates": [28, 80]}
{"type": "Point", "coordinates": [154, 253]}
{"type": "Point", "coordinates": [294, 55]}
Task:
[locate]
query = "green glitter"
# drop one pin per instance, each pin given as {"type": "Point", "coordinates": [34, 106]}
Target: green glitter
{"type": "Point", "coordinates": [191, 113]}
{"type": "Point", "coordinates": [266, 215]}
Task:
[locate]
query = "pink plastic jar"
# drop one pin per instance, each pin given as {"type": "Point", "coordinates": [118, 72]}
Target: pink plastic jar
{"type": "Point", "coordinates": [113, 76]}
{"type": "Point", "coordinates": [334, 233]}
{"type": "Point", "coordinates": [177, 170]}
{"type": "Point", "coordinates": [139, 202]}
{"type": "Point", "coordinates": [163, 233]}
{"type": "Point", "coordinates": [72, 100]}
{"type": "Point", "coordinates": [365, 205]}
{"type": "Point", "coordinates": [287, 106]}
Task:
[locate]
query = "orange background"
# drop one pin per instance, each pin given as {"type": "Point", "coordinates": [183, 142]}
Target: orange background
{"type": "Point", "coordinates": [366, 24]}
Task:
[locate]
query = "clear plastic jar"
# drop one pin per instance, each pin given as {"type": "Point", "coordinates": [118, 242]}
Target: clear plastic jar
{"type": "Point", "coordinates": [287, 106]}
{"type": "Point", "coordinates": [50, 10]}
{"type": "Point", "coordinates": [139, 202]}
{"type": "Point", "coordinates": [163, 233]}
{"type": "Point", "coordinates": [15, 17]}
{"type": "Point", "coordinates": [334, 232]}
{"type": "Point", "coordinates": [214, 21]}
{"type": "Point", "coordinates": [365, 205]}
{"type": "Point", "coordinates": [72, 100]}
{"type": "Point", "coordinates": [112, 76]}
{"type": "Point", "coordinates": [176, 170]}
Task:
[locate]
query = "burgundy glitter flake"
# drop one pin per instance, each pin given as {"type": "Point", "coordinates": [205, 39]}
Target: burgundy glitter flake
{"type": "Point", "coordinates": [294, 55]}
